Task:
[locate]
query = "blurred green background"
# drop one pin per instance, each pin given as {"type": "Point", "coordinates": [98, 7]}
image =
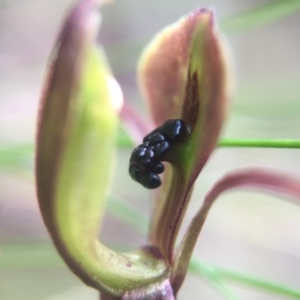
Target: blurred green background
{"type": "Point", "coordinates": [246, 231]}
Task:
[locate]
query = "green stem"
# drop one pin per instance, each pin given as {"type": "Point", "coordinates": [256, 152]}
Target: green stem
{"type": "Point", "coordinates": [15, 155]}
{"type": "Point", "coordinates": [260, 143]}
{"type": "Point", "coordinates": [125, 142]}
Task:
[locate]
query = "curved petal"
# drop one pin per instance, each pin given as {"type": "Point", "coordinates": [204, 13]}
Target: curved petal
{"type": "Point", "coordinates": [75, 145]}
{"type": "Point", "coordinates": [266, 180]}
{"type": "Point", "coordinates": [183, 74]}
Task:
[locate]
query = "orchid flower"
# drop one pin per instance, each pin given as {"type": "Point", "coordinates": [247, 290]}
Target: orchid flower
{"type": "Point", "coordinates": [183, 74]}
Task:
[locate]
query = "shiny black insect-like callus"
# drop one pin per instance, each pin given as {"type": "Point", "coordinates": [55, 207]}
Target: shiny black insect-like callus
{"type": "Point", "coordinates": [145, 162]}
{"type": "Point", "coordinates": [171, 130]}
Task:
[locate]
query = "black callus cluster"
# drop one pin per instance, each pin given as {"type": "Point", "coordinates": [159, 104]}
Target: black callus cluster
{"type": "Point", "coordinates": [145, 162]}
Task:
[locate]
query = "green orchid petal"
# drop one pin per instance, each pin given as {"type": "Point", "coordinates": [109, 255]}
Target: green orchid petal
{"type": "Point", "coordinates": [75, 149]}
{"type": "Point", "coordinates": [183, 74]}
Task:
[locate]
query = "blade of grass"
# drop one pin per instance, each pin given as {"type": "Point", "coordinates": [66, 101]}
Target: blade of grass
{"type": "Point", "coordinates": [240, 22]}
{"type": "Point", "coordinates": [210, 275]}
{"type": "Point", "coordinates": [22, 255]}
{"type": "Point", "coordinates": [200, 268]}
{"type": "Point", "coordinates": [18, 156]}
{"type": "Point", "coordinates": [127, 213]}
{"type": "Point", "coordinates": [260, 16]}
{"type": "Point", "coordinates": [125, 142]}
{"type": "Point", "coordinates": [260, 143]}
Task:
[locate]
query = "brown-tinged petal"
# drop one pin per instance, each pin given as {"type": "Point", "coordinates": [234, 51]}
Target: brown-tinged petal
{"type": "Point", "coordinates": [61, 85]}
{"type": "Point", "coordinates": [183, 74]}
{"type": "Point", "coordinates": [75, 145]}
{"type": "Point", "coordinates": [268, 181]}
